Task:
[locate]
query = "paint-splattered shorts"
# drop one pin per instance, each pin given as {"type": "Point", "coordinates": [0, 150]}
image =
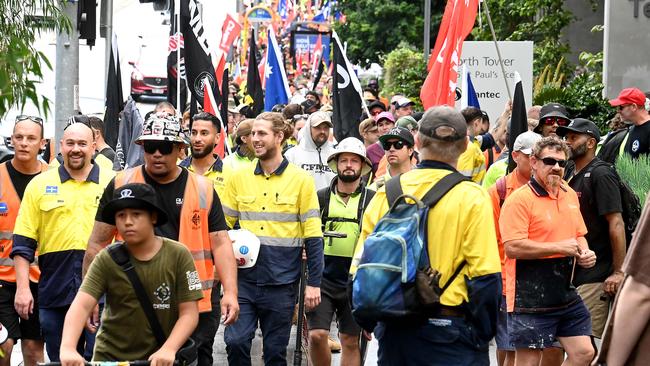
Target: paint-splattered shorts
{"type": "Point", "coordinates": [540, 330]}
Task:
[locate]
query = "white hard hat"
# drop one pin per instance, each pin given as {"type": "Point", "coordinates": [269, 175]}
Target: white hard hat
{"type": "Point", "coordinates": [246, 247]}
{"type": "Point", "coordinates": [350, 145]}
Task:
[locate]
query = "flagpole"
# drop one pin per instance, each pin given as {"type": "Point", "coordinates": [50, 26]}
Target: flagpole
{"type": "Point", "coordinates": [496, 45]}
{"type": "Point", "coordinates": [177, 16]}
{"type": "Point", "coordinates": [218, 115]}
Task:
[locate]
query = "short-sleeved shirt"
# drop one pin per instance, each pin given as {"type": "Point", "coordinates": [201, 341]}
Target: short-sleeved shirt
{"type": "Point", "coordinates": [530, 212]}
{"type": "Point", "coordinates": [460, 227]}
{"type": "Point", "coordinates": [638, 140]}
{"type": "Point", "coordinates": [170, 196]}
{"type": "Point", "coordinates": [169, 279]}
{"type": "Point", "coordinates": [599, 195]}
{"type": "Point", "coordinates": [471, 163]}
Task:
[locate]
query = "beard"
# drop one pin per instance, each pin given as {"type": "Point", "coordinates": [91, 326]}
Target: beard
{"type": "Point", "coordinates": [207, 150]}
{"type": "Point", "coordinates": [348, 178]}
{"type": "Point", "coordinates": [578, 152]}
{"type": "Point", "coordinates": [553, 180]}
{"type": "Point", "coordinates": [268, 154]}
{"type": "Point", "coordinates": [75, 165]}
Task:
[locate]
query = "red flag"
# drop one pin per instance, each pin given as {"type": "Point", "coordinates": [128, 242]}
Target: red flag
{"type": "Point", "coordinates": [439, 88]}
{"type": "Point", "coordinates": [316, 57]}
{"type": "Point", "coordinates": [262, 67]}
{"type": "Point", "coordinates": [229, 32]}
{"type": "Point", "coordinates": [209, 105]}
{"type": "Point", "coordinates": [218, 71]}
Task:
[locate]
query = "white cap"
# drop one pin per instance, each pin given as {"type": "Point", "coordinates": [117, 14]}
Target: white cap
{"type": "Point", "coordinates": [525, 142]}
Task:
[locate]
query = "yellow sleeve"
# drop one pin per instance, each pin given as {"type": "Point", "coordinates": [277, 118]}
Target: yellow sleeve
{"type": "Point", "coordinates": [479, 242]}
{"type": "Point", "coordinates": [228, 198]}
{"type": "Point", "coordinates": [28, 221]}
{"type": "Point", "coordinates": [373, 213]}
{"type": "Point", "coordinates": [309, 209]}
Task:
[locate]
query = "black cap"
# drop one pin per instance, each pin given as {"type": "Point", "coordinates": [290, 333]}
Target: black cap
{"type": "Point", "coordinates": [400, 133]}
{"type": "Point", "coordinates": [133, 195]}
{"type": "Point", "coordinates": [377, 104]}
{"type": "Point", "coordinates": [551, 110]}
{"type": "Point", "coordinates": [580, 125]}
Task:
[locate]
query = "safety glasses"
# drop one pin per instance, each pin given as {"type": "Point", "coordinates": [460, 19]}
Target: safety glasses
{"type": "Point", "coordinates": [398, 145]}
{"type": "Point", "coordinates": [164, 147]}
{"type": "Point", "coordinates": [34, 119]}
{"type": "Point", "coordinates": [552, 161]}
{"type": "Point", "coordinates": [550, 121]}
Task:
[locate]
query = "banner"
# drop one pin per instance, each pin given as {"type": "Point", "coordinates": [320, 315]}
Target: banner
{"type": "Point", "coordinates": [277, 86]}
{"type": "Point", "coordinates": [348, 104]}
{"type": "Point", "coordinates": [229, 32]}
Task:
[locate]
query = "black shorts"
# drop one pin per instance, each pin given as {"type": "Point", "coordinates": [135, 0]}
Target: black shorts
{"type": "Point", "coordinates": [17, 327]}
{"type": "Point", "coordinates": [333, 300]}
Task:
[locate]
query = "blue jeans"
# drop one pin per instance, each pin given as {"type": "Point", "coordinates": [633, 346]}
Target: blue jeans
{"type": "Point", "coordinates": [273, 307]}
{"type": "Point", "coordinates": [438, 341]}
{"type": "Point", "coordinates": [52, 326]}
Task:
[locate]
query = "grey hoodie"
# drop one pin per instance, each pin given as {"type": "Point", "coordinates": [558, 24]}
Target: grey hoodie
{"type": "Point", "coordinates": [312, 159]}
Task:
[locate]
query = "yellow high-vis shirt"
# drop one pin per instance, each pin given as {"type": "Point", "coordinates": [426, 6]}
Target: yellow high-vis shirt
{"type": "Point", "coordinates": [460, 228]}
{"type": "Point", "coordinates": [471, 163]}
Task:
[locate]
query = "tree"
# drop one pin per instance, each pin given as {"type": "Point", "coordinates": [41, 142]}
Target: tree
{"type": "Point", "coordinates": [374, 28]}
{"type": "Point", "coordinates": [404, 70]}
{"type": "Point", "coordinates": [20, 63]}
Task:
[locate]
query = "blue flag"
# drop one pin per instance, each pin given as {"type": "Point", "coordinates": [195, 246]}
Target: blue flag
{"type": "Point", "coordinates": [282, 9]}
{"type": "Point", "coordinates": [277, 86]}
{"type": "Point", "coordinates": [324, 13]}
{"type": "Point", "coordinates": [468, 97]}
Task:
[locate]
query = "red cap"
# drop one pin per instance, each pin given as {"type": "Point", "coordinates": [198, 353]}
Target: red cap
{"type": "Point", "coordinates": [629, 96]}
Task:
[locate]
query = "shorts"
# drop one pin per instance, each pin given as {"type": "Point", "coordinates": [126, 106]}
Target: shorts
{"type": "Point", "coordinates": [333, 300]}
{"type": "Point", "coordinates": [17, 327]}
{"type": "Point", "coordinates": [591, 294]}
{"type": "Point", "coordinates": [539, 330]}
{"type": "Point", "coordinates": [502, 339]}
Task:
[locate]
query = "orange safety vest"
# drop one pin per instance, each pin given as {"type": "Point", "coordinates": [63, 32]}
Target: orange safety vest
{"type": "Point", "coordinates": [193, 228]}
{"type": "Point", "coordinates": [9, 206]}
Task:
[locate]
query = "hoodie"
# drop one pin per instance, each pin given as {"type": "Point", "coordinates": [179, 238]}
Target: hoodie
{"type": "Point", "coordinates": [311, 158]}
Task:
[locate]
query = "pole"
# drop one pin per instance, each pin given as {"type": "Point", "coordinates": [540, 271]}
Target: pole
{"type": "Point", "coordinates": [297, 353]}
{"type": "Point", "coordinates": [177, 19]}
{"type": "Point", "coordinates": [108, 26]}
{"type": "Point", "coordinates": [496, 45]}
{"type": "Point", "coordinates": [427, 29]}
{"type": "Point", "coordinates": [66, 97]}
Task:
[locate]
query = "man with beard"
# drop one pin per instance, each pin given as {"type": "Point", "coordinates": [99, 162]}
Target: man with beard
{"type": "Point", "coordinates": [314, 148]}
{"type": "Point", "coordinates": [341, 206]}
{"type": "Point", "coordinates": [543, 236]}
{"type": "Point", "coordinates": [276, 201]}
{"type": "Point", "coordinates": [55, 218]}
{"type": "Point", "coordinates": [204, 136]}
{"type": "Point", "coordinates": [597, 186]}
{"type": "Point", "coordinates": [195, 219]}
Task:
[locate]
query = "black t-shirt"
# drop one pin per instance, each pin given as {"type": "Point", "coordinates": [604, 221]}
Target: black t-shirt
{"type": "Point", "coordinates": [638, 141]}
{"type": "Point", "coordinates": [170, 196]}
{"type": "Point", "coordinates": [108, 152]}
{"type": "Point", "coordinates": [603, 197]}
{"type": "Point", "coordinates": [19, 180]}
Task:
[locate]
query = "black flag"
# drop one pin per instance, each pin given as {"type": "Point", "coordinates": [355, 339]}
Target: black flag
{"type": "Point", "coordinates": [174, 69]}
{"type": "Point", "coordinates": [114, 96]}
{"type": "Point", "coordinates": [253, 80]}
{"type": "Point", "coordinates": [196, 52]}
{"type": "Point", "coordinates": [519, 119]}
{"type": "Point", "coordinates": [348, 105]}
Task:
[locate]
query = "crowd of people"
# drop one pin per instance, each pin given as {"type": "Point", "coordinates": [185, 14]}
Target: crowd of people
{"type": "Point", "coordinates": [532, 256]}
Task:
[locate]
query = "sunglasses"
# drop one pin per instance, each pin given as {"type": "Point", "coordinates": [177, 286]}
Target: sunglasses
{"type": "Point", "coordinates": [398, 145]}
{"type": "Point", "coordinates": [550, 121]}
{"type": "Point", "coordinates": [552, 161]}
{"type": "Point", "coordinates": [34, 119]}
{"type": "Point", "coordinates": [164, 147]}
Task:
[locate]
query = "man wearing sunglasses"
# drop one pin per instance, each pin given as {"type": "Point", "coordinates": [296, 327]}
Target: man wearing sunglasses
{"type": "Point", "coordinates": [543, 235]}
{"type": "Point", "coordinates": [196, 219]}
{"type": "Point", "coordinates": [552, 116]}
{"type": "Point", "coordinates": [630, 104]}
{"type": "Point", "coordinates": [398, 147]}
{"type": "Point", "coordinates": [27, 140]}
{"type": "Point", "coordinates": [55, 220]}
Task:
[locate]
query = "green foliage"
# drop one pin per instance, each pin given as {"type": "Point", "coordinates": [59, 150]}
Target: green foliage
{"type": "Point", "coordinates": [404, 71]}
{"type": "Point", "coordinates": [636, 173]}
{"type": "Point", "coordinates": [374, 28]}
{"type": "Point", "coordinates": [20, 63]}
{"type": "Point", "coordinates": [540, 21]}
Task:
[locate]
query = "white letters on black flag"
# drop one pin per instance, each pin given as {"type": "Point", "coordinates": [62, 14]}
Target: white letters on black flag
{"type": "Point", "coordinates": [348, 101]}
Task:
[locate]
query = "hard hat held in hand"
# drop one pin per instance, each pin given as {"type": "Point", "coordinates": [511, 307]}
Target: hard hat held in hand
{"type": "Point", "coordinates": [245, 246]}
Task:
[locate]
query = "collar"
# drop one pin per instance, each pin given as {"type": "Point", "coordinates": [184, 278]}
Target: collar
{"type": "Point", "coordinates": [433, 164]}
{"type": "Point", "coordinates": [216, 167]}
{"type": "Point", "coordinates": [539, 190]}
{"type": "Point", "coordinates": [93, 176]}
{"type": "Point", "coordinates": [283, 165]}
{"type": "Point", "coordinates": [334, 182]}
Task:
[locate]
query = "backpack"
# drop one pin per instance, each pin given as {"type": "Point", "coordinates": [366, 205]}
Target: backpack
{"type": "Point", "coordinates": [630, 202]}
{"type": "Point", "coordinates": [384, 287]}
